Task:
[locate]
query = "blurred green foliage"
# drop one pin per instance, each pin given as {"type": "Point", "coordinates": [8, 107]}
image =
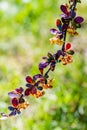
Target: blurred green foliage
{"type": "Point", "coordinates": [24, 39]}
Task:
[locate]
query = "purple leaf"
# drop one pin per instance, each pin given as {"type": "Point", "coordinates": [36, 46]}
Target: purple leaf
{"type": "Point", "coordinates": [63, 16]}
{"type": "Point", "coordinates": [61, 36]}
{"type": "Point", "coordinates": [52, 66]}
{"type": "Point", "coordinates": [4, 116]}
{"type": "Point", "coordinates": [54, 31]}
{"type": "Point", "coordinates": [37, 83]}
{"type": "Point", "coordinates": [57, 55]}
{"type": "Point", "coordinates": [64, 9]}
{"type": "Point", "coordinates": [43, 65]}
{"type": "Point", "coordinates": [13, 94]}
{"type": "Point", "coordinates": [78, 19]}
{"type": "Point", "coordinates": [35, 77]}
{"type": "Point", "coordinates": [64, 27]}
{"type": "Point", "coordinates": [13, 113]}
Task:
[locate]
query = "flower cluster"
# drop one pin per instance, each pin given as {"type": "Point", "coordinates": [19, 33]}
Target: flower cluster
{"type": "Point", "coordinates": [36, 85]}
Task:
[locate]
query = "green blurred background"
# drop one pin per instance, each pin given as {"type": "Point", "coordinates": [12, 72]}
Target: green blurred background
{"type": "Point", "coordinates": [24, 39]}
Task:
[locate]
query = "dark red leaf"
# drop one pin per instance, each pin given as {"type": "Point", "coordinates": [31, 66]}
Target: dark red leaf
{"type": "Point", "coordinates": [33, 90]}
{"type": "Point", "coordinates": [41, 70]}
{"type": "Point", "coordinates": [15, 102]}
{"type": "Point", "coordinates": [58, 22]}
{"type": "Point", "coordinates": [27, 92]}
{"type": "Point", "coordinates": [29, 79]}
{"type": "Point", "coordinates": [19, 90]}
{"type": "Point", "coordinates": [68, 46]}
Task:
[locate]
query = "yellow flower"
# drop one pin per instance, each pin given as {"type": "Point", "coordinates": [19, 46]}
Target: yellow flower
{"type": "Point", "coordinates": [39, 94]}
{"type": "Point", "coordinates": [56, 40]}
{"type": "Point", "coordinates": [72, 31]}
{"type": "Point", "coordinates": [66, 59]}
{"type": "Point", "coordinates": [49, 84]}
{"type": "Point", "coordinates": [23, 105]}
